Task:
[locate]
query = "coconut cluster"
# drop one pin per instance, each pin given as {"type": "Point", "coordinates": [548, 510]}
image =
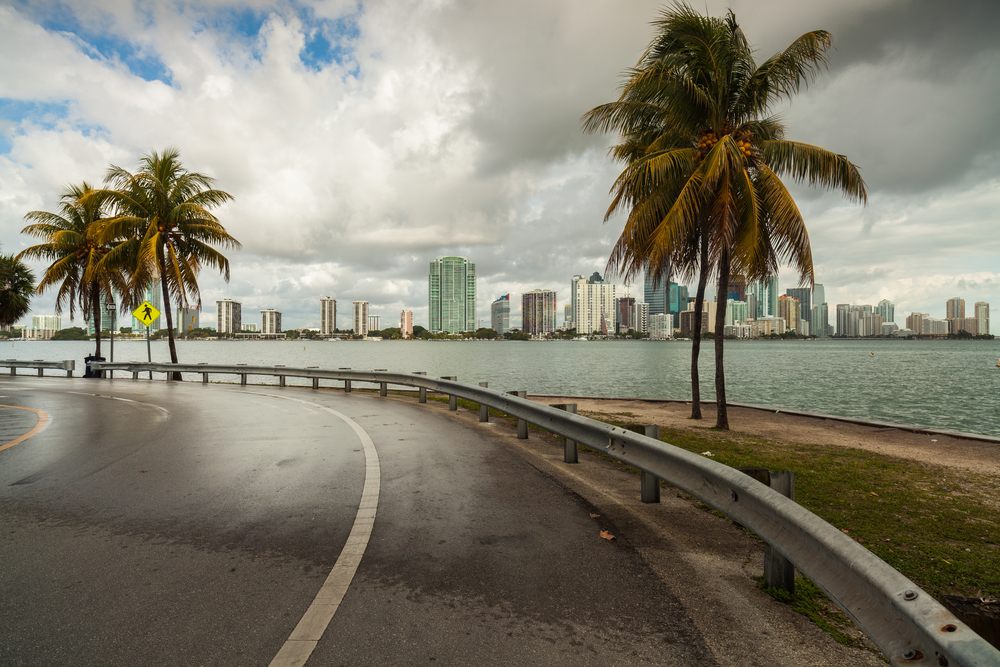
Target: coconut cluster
{"type": "Point", "coordinates": [744, 141]}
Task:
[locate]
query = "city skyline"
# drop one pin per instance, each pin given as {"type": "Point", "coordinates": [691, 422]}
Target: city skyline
{"type": "Point", "coordinates": [447, 145]}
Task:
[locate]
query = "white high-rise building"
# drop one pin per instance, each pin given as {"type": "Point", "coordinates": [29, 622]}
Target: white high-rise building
{"type": "Point", "coordinates": [661, 326]}
{"type": "Point", "coordinates": [641, 317]}
{"type": "Point", "coordinates": [374, 322]}
{"type": "Point", "coordinates": [887, 310]}
{"type": "Point", "coordinates": [594, 306]}
{"type": "Point", "coordinates": [327, 316]}
{"type": "Point", "coordinates": [982, 317]}
{"type": "Point", "coordinates": [361, 317]}
{"type": "Point", "coordinates": [229, 316]}
{"type": "Point", "coordinates": [270, 321]}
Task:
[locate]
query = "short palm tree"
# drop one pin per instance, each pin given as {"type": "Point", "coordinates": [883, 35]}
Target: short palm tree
{"type": "Point", "coordinates": [160, 220]}
{"type": "Point", "coordinates": [17, 284]}
{"type": "Point", "coordinates": [707, 170]}
{"type": "Point", "coordinates": [76, 252]}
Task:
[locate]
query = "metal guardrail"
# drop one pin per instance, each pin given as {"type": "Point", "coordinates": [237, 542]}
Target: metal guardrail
{"type": "Point", "coordinates": [68, 365]}
{"type": "Point", "coordinates": [905, 622]}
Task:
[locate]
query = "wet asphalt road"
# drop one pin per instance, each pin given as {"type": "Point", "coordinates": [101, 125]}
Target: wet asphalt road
{"type": "Point", "coordinates": [187, 524]}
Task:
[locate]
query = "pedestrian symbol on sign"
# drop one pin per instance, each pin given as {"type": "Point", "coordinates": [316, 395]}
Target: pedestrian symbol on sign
{"type": "Point", "coordinates": [146, 313]}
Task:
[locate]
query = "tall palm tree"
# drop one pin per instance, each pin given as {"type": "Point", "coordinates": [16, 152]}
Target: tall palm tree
{"type": "Point", "coordinates": [17, 284]}
{"type": "Point", "coordinates": [715, 176]}
{"type": "Point", "coordinates": [160, 217]}
{"type": "Point", "coordinates": [76, 252]}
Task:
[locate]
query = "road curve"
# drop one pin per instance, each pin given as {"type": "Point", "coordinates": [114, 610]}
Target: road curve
{"type": "Point", "coordinates": [177, 523]}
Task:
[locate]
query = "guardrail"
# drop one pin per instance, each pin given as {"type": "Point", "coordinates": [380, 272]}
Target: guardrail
{"type": "Point", "coordinates": [68, 365]}
{"type": "Point", "coordinates": [905, 622]}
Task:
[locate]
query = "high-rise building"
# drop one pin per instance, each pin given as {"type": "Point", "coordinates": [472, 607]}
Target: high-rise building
{"type": "Point", "coordinates": [406, 323]}
{"type": "Point", "coordinates": [327, 316]}
{"type": "Point", "coordinates": [661, 326]}
{"type": "Point", "coordinates": [538, 312]}
{"type": "Point", "coordinates": [737, 288]}
{"type": "Point", "coordinates": [109, 321]}
{"type": "Point", "coordinates": [270, 321]}
{"type": "Point", "coordinates": [625, 311]}
{"type": "Point", "coordinates": [736, 311]}
{"type": "Point", "coordinates": [818, 295]}
{"type": "Point", "coordinates": [594, 306]}
{"type": "Point", "coordinates": [656, 295]}
{"type": "Point", "coordinates": [154, 295]}
{"type": "Point", "coordinates": [573, 283]}
{"type": "Point", "coordinates": [968, 325]}
{"type": "Point", "coordinates": [500, 315]}
{"type": "Point", "coordinates": [804, 295]}
{"type": "Point", "coordinates": [248, 327]}
{"type": "Point", "coordinates": [374, 323]}
{"type": "Point", "coordinates": [887, 310]}
{"type": "Point", "coordinates": [954, 308]}
{"type": "Point", "coordinates": [914, 322]}
{"type": "Point", "coordinates": [361, 318]}
{"type": "Point", "coordinates": [983, 318]}
{"type": "Point", "coordinates": [43, 327]}
{"type": "Point", "coordinates": [820, 320]}
{"type": "Point", "coordinates": [641, 317]}
{"type": "Point", "coordinates": [568, 316]}
{"type": "Point", "coordinates": [229, 316]}
{"type": "Point", "coordinates": [788, 309]}
{"type": "Point", "coordinates": [186, 321]}
{"type": "Point", "coordinates": [452, 288]}
{"type": "Point", "coordinates": [678, 300]}
{"type": "Point", "coordinates": [766, 292]}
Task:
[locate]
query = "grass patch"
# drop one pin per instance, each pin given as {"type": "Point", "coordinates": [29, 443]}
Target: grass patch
{"type": "Point", "coordinates": [812, 603]}
{"type": "Point", "coordinates": [938, 526]}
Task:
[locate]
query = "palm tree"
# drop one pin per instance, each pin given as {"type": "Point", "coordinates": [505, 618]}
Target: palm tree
{"type": "Point", "coordinates": [17, 284]}
{"type": "Point", "coordinates": [707, 170]}
{"type": "Point", "coordinates": [164, 229]}
{"type": "Point", "coordinates": [76, 253]}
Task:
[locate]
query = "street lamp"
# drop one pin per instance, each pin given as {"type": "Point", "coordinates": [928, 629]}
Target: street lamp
{"type": "Point", "coordinates": [110, 307]}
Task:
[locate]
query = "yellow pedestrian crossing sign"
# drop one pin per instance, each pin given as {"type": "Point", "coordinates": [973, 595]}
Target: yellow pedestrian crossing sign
{"type": "Point", "coordinates": [146, 313]}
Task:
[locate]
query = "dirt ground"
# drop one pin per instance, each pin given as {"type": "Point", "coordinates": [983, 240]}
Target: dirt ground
{"type": "Point", "coordinates": [976, 455]}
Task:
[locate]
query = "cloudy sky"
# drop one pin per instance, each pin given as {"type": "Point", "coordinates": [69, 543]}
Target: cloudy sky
{"type": "Point", "coordinates": [362, 140]}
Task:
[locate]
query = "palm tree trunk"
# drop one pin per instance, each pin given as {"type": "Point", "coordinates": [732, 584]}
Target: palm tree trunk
{"type": "Point", "coordinates": [721, 299]}
{"type": "Point", "coordinates": [166, 311]}
{"type": "Point", "coordinates": [95, 296]}
{"type": "Point", "coordinates": [696, 345]}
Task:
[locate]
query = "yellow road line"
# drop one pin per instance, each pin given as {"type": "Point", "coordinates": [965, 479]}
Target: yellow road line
{"type": "Point", "coordinates": [43, 421]}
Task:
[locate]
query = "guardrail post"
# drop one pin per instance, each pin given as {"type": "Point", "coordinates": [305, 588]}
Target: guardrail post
{"type": "Point", "coordinates": [484, 410]}
{"type": "Point", "coordinates": [570, 450]}
{"type": "Point", "coordinates": [383, 388]}
{"type": "Point", "coordinates": [347, 383]}
{"type": "Point", "coordinates": [243, 379]}
{"type": "Point", "coordinates": [452, 399]}
{"type": "Point", "coordinates": [204, 376]}
{"type": "Point", "coordinates": [522, 425]}
{"type": "Point", "coordinates": [281, 380]}
{"type": "Point", "coordinates": [13, 370]}
{"type": "Point", "coordinates": [135, 375]}
{"type": "Point", "coordinates": [422, 393]}
{"type": "Point", "coordinates": [315, 383]}
{"type": "Point", "coordinates": [40, 372]}
{"type": "Point", "coordinates": [650, 482]}
{"type": "Point", "coordinates": [778, 570]}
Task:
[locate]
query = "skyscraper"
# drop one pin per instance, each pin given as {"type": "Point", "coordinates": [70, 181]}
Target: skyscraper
{"type": "Point", "coordinates": [452, 290]}
{"type": "Point", "coordinates": [187, 319]}
{"type": "Point", "coordinates": [229, 317]}
{"type": "Point", "coordinates": [642, 317]}
{"type": "Point", "coordinates": [374, 323]}
{"type": "Point", "coordinates": [983, 317]}
{"type": "Point", "coordinates": [820, 320]}
{"type": "Point", "coordinates": [766, 292]}
{"type": "Point", "coordinates": [955, 308]}
{"type": "Point", "coordinates": [804, 295]}
{"type": "Point", "coordinates": [361, 317]}
{"type": "Point", "coordinates": [327, 316]}
{"type": "Point", "coordinates": [406, 323]}
{"type": "Point", "coordinates": [594, 306]}
{"type": "Point", "coordinates": [538, 312]}
{"type": "Point", "coordinates": [819, 295]}
{"type": "Point", "coordinates": [788, 310]}
{"type": "Point", "coordinates": [270, 321]}
{"type": "Point", "coordinates": [657, 296]}
{"type": "Point", "coordinates": [500, 315]}
{"type": "Point", "coordinates": [625, 307]}
{"type": "Point", "coordinates": [887, 310]}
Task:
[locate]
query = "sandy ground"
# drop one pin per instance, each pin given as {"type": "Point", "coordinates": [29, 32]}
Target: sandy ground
{"type": "Point", "coordinates": [979, 456]}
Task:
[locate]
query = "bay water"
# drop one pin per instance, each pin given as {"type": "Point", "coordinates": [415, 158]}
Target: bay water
{"type": "Point", "coordinates": [953, 385]}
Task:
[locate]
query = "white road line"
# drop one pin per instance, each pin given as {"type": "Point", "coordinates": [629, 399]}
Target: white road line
{"type": "Point", "coordinates": [127, 400]}
{"type": "Point", "coordinates": [300, 644]}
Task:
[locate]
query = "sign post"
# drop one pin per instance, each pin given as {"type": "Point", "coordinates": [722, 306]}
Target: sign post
{"type": "Point", "coordinates": [147, 314]}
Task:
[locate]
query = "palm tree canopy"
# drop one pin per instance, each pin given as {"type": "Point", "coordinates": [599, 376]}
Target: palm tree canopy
{"type": "Point", "coordinates": [73, 246]}
{"type": "Point", "coordinates": [161, 216]}
{"type": "Point", "coordinates": [704, 156]}
{"type": "Point", "coordinates": [17, 284]}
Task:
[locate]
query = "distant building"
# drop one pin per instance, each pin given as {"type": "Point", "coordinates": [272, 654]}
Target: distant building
{"type": "Point", "coordinates": [887, 310]}
{"type": "Point", "coordinates": [43, 327]}
{"type": "Point", "coordinates": [625, 311]}
{"type": "Point", "coordinates": [538, 312]}
{"type": "Point", "coordinates": [738, 329]}
{"type": "Point", "coordinates": [678, 300]}
{"type": "Point", "coordinates": [766, 293]}
{"type": "Point", "coordinates": [593, 305]}
{"type": "Point", "coordinates": [374, 323]}
{"type": "Point", "coordinates": [930, 326]}
{"type": "Point", "coordinates": [788, 309]}
{"type": "Point", "coordinates": [500, 315]}
{"type": "Point", "coordinates": [361, 318]}
{"type": "Point", "coordinates": [820, 320]}
{"type": "Point", "coordinates": [983, 318]}
{"type": "Point", "coordinates": [954, 308]}
{"type": "Point", "coordinates": [737, 288]}
{"type": "Point", "coordinates": [641, 317]}
{"type": "Point", "coordinates": [819, 296]}
{"type": "Point", "coordinates": [248, 327]}
{"type": "Point", "coordinates": [661, 326]}
{"type": "Point", "coordinates": [765, 326]}
{"type": "Point", "coordinates": [186, 321]}
{"type": "Point", "coordinates": [657, 294]}
{"type": "Point", "coordinates": [967, 324]}
{"type": "Point", "coordinates": [568, 316]}
{"type": "Point", "coordinates": [709, 308]}
{"type": "Point", "coordinates": [229, 316]}
{"type": "Point", "coordinates": [736, 311]}
{"type": "Point", "coordinates": [406, 323]}
{"type": "Point", "coordinates": [804, 295]}
{"type": "Point", "coordinates": [109, 321]}
{"type": "Point", "coordinates": [889, 328]}
{"type": "Point", "coordinates": [327, 316]}
{"type": "Point", "coordinates": [270, 321]}
{"type": "Point", "coordinates": [452, 295]}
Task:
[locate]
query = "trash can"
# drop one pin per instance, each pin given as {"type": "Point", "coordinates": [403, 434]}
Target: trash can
{"type": "Point", "coordinates": [91, 373]}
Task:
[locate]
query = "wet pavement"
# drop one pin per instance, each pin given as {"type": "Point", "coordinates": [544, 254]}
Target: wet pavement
{"type": "Point", "coordinates": [162, 523]}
